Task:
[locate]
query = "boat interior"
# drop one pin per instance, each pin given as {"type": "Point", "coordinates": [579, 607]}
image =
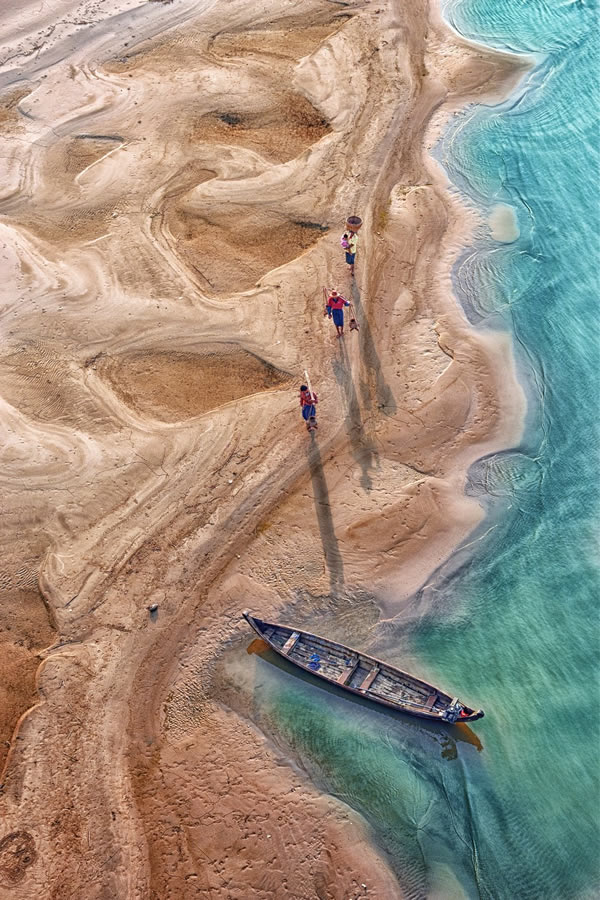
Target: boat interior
{"type": "Point", "coordinates": [350, 669]}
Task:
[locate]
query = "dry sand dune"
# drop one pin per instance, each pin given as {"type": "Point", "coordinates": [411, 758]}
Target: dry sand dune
{"type": "Point", "coordinates": [174, 180]}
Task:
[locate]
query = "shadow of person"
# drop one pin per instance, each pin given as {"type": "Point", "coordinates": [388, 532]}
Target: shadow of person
{"type": "Point", "coordinates": [363, 451]}
{"type": "Point", "coordinates": [331, 550]}
{"type": "Point", "coordinates": [375, 390]}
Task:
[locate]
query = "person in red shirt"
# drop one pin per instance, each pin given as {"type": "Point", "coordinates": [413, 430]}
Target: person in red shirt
{"type": "Point", "coordinates": [307, 404]}
{"type": "Point", "coordinates": [335, 310]}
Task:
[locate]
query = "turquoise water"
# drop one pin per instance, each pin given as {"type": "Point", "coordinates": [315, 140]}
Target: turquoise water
{"type": "Point", "coordinates": [512, 622]}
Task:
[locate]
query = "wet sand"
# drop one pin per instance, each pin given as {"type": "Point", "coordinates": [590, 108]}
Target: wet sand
{"type": "Point", "coordinates": [175, 179]}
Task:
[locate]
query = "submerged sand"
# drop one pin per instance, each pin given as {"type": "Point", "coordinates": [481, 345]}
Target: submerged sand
{"type": "Point", "coordinates": [174, 183]}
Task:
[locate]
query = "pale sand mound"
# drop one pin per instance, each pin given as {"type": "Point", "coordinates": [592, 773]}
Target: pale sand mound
{"type": "Point", "coordinates": [46, 384]}
{"type": "Point", "coordinates": [157, 167]}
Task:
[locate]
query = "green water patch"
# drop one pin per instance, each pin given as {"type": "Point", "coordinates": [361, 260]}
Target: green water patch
{"type": "Point", "coordinates": [401, 774]}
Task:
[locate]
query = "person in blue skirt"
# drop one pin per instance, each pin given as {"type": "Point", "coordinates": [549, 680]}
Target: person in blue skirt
{"type": "Point", "coordinates": [335, 310]}
{"type": "Point", "coordinates": [349, 243]}
{"type": "Point", "coordinates": [307, 404]}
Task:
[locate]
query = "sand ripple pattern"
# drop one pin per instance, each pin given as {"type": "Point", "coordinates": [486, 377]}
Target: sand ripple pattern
{"type": "Point", "coordinates": [169, 215]}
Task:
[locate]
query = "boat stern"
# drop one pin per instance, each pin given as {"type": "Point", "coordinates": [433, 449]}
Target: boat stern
{"type": "Point", "coordinates": [458, 712]}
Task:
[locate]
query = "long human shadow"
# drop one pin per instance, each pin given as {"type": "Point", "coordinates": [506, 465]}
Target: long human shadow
{"type": "Point", "coordinates": [331, 550]}
{"type": "Point", "coordinates": [363, 451]}
{"type": "Point", "coordinates": [375, 390]}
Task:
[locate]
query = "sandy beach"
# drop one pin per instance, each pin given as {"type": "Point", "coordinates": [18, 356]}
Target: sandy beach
{"type": "Point", "coordinates": [175, 180]}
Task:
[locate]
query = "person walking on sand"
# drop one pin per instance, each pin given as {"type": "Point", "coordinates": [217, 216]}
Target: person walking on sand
{"type": "Point", "coordinates": [349, 242]}
{"type": "Point", "coordinates": [335, 310]}
{"type": "Point", "coordinates": [307, 404]}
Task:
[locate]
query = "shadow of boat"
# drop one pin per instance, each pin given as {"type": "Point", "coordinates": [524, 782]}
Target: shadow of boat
{"type": "Point", "coordinates": [446, 736]}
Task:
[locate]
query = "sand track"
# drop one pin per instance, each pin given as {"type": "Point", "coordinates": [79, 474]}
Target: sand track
{"type": "Point", "coordinates": [170, 214]}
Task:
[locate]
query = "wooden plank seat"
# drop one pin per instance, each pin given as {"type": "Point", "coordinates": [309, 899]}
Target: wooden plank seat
{"type": "Point", "coordinates": [368, 681]}
{"type": "Point", "coordinates": [291, 641]}
{"type": "Point", "coordinates": [429, 703]}
{"type": "Point", "coordinates": [344, 678]}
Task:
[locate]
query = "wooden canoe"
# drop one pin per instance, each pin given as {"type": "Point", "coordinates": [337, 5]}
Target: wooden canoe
{"type": "Point", "coordinates": [361, 674]}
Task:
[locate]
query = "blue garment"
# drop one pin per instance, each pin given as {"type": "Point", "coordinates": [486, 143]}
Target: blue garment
{"type": "Point", "coordinates": [338, 317]}
{"type": "Point", "coordinates": [350, 258]}
{"type": "Point", "coordinates": [308, 411]}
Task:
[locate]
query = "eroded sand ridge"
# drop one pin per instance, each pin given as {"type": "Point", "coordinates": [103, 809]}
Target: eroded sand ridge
{"type": "Point", "coordinates": [169, 217]}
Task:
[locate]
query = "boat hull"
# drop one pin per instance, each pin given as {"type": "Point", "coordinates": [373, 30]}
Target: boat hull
{"type": "Point", "coordinates": [285, 641]}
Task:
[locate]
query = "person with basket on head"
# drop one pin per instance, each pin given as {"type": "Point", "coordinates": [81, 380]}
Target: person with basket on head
{"type": "Point", "coordinates": [349, 242]}
{"type": "Point", "coordinates": [335, 310]}
{"type": "Point", "coordinates": [308, 401]}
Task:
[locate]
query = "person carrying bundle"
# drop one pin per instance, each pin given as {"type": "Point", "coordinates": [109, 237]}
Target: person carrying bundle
{"type": "Point", "coordinates": [308, 401]}
{"type": "Point", "coordinates": [335, 310]}
{"type": "Point", "coordinates": [349, 242]}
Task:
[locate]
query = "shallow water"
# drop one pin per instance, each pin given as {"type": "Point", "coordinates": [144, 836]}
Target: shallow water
{"type": "Point", "coordinates": [512, 622]}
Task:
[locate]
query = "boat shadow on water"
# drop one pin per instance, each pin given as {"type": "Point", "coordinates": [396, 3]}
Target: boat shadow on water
{"type": "Point", "coordinates": [444, 735]}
